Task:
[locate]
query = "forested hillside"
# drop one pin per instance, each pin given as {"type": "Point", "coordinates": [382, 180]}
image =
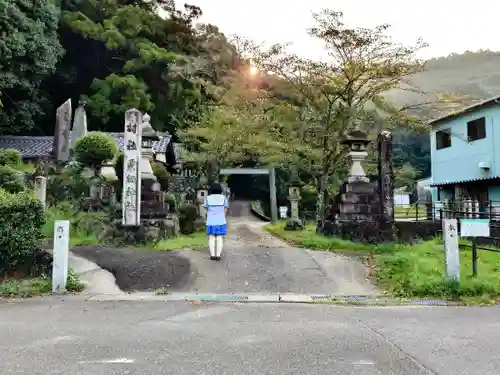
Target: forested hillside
{"type": "Point", "coordinates": [119, 54]}
{"type": "Point", "coordinates": [476, 74]}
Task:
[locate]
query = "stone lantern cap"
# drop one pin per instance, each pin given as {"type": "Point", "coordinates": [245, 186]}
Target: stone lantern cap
{"type": "Point", "coordinates": [356, 139]}
{"type": "Point", "coordinates": [295, 181]}
{"type": "Point", "coordinates": [148, 133]}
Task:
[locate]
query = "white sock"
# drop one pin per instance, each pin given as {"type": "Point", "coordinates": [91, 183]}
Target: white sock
{"type": "Point", "coordinates": [220, 243]}
{"type": "Point", "coordinates": [211, 245]}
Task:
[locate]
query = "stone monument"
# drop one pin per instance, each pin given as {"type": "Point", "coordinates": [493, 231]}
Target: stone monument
{"type": "Point", "coordinates": [294, 222]}
{"type": "Point", "coordinates": [386, 186]}
{"type": "Point", "coordinates": [79, 129]}
{"type": "Point", "coordinates": [61, 146]}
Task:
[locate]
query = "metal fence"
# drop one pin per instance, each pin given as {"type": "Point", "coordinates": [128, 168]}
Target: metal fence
{"type": "Point", "coordinates": [436, 210]}
{"type": "Point", "coordinates": [477, 244]}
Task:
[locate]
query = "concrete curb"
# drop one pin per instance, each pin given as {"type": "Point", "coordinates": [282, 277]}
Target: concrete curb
{"type": "Point", "coordinates": [95, 279]}
{"type": "Point", "coordinates": [372, 301]}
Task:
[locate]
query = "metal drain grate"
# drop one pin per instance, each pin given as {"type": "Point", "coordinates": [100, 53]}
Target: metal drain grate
{"type": "Point", "coordinates": [353, 299]}
{"type": "Point", "coordinates": [320, 298]}
{"type": "Point", "coordinates": [429, 302]}
{"type": "Point", "coordinates": [214, 297]}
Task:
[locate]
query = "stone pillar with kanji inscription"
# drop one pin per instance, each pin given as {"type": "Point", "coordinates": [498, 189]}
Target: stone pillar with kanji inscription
{"type": "Point", "coordinates": [131, 193]}
{"type": "Point", "coordinates": [386, 186]}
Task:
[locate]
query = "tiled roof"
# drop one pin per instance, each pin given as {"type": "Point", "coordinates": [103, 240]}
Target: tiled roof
{"type": "Point", "coordinates": [443, 183]}
{"type": "Point", "coordinates": [41, 147]}
{"type": "Point", "coordinates": [29, 147]}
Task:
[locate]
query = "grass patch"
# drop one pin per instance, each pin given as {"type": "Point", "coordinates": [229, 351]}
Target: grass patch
{"type": "Point", "coordinates": [82, 224]}
{"type": "Point", "coordinates": [37, 286]}
{"type": "Point", "coordinates": [412, 271]}
{"type": "Point", "coordinates": [188, 241]}
{"type": "Point", "coordinates": [412, 211]}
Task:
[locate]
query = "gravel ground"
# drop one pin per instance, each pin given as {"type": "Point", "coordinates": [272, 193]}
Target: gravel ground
{"type": "Point", "coordinates": [140, 269]}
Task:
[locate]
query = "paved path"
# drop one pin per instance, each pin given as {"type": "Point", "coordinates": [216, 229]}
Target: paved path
{"type": "Point", "coordinates": [50, 336]}
{"type": "Point", "coordinates": [253, 261]}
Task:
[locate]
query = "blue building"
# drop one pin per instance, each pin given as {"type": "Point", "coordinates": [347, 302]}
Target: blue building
{"type": "Point", "coordinates": [465, 154]}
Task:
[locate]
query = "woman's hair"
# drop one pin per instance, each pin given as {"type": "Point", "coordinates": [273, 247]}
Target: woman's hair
{"type": "Point", "coordinates": [215, 189]}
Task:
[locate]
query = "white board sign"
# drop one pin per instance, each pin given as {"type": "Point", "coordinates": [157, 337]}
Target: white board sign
{"type": "Point", "coordinates": [474, 227]}
{"type": "Point", "coordinates": [131, 193]}
{"type": "Point", "coordinates": [283, 212]}
{"type": "Point", "coordinates": [452, 257]}
{"type": "Point", "coordinates": [60, 256]}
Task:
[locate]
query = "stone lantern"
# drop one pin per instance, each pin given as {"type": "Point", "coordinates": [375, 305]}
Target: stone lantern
{"type": "Point", "coordinates": [294, 222]}
{"type": "Point", "coordinates": [357, 141]}
{"type": "Point", "coordinates": [148, 137]}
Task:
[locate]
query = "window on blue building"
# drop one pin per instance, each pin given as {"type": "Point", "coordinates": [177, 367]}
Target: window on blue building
{"type": "Point", "coordinates": [476, 129]}
{"type": "Point", "coordinates": [443, 139]}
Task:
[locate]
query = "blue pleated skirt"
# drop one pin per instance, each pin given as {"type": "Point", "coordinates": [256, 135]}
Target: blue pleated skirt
{"type": "Point", "coordinates": [217, 230]}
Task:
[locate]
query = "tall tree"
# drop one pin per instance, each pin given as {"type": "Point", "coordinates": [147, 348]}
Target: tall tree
{"type": "Point", "coordinates": [29, 51]}
{"type": "Point", "coordinates": [347, 91]}
{"type": "Point", "coordinates": [242, 125]}
{"type": "Point", "coordinates": [121, 54]}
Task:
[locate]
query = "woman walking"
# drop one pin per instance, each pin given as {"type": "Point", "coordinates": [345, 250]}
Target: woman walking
{"type": "Point", "coordinates": [216, 205]}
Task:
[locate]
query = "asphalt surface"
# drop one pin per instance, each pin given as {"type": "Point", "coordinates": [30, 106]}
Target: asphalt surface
{"type": "Point", "coordinates": [253, 261]}
{"type": "Point", "coordinates": [140, 269]}
{"type": "Point", "coordinates": [51, 336]}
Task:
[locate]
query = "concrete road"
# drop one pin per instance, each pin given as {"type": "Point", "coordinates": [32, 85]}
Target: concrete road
{"type": "Point", "coordinates": [42, 337]}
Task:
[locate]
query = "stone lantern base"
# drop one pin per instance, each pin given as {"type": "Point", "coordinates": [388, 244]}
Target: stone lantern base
{"type": "Point", "coordinates": [294, 224]}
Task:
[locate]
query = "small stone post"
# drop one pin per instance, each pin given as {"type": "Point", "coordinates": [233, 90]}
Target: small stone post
{"type": "Point", "coordinates": [294, 197]}
{"type": "Point", "coordinates": [41, 189]}
{"type": "Point", "coordinates": [386, 186]}
{"type": "Point", "coordinates": [201, 194]}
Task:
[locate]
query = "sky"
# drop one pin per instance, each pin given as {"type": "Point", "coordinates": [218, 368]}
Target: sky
{"type": "Point", "coordinates": [446, 25]}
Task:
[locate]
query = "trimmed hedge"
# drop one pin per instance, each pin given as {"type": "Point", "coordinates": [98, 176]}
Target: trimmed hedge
{"type": "Point", "coordinates": [95, 148]}
{"type": "Point", "coordinates": [10, 157]}
{"type": "Point", "coordinates": [11, 179]}
{"type": "Point", "coordinates": [21, 220]}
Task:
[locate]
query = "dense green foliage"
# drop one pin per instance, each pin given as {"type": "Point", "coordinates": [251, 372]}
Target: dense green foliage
{"type": "Point", "coordinates": [20, 227]}
{"type": "Point", "coordinates": [119, 54]}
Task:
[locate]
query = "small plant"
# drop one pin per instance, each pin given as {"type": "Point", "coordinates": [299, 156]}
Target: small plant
{"type": "Point", "coordinates": [95, 148]}
{"type": "Point", "coordinates": [161, 173]}
{"type": "Point", "coordinates": [172, 202]}
{"type": "Point", "coordinates": [188, 213]}
{"type": "Point", "coordinates": [10, 157]}
{"type": "Point", "coordinates": [11, 179]}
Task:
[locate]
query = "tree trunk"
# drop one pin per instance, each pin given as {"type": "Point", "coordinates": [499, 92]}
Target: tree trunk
{"type": "Point", "coordinates": [320, 202]}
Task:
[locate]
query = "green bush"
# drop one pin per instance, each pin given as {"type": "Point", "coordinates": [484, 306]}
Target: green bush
{"type": "Point", "coordinates": [95, 148]}
{"type": "Point", "coordinates": [11, 179]}
{"type": "Point", "coordinates": [21, 225]}
{"type": "Point", "coordinates": [11, 157]}
{"type": "Point", "coordinates": [161, 173]}
{"type": "Point", "coordinates": [67, 184]}
{"type": "Point", "coordinates": [188, 213]}
{"type": "Point", "coordinates": [172, 202]}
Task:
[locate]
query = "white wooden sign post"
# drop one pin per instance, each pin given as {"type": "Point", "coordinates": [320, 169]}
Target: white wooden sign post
{"type": "Point", "coordinates": [450, 236]}
{"type": "Point", "coordinates": [131, 193]}
{"type": "Point", "coordinates": [60, 256]}
{"type": "Point", "coordinates": [474, 227]}
{"type": "Point", "coordinates": [283, 212]}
